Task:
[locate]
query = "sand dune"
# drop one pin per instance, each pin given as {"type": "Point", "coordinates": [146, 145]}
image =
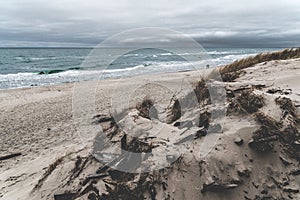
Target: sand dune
{"type": "Point", "coordinates": [194, 136]}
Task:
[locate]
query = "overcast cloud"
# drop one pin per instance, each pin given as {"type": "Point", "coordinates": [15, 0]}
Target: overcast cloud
{"type": "Point", "coordinates": [255, 23]}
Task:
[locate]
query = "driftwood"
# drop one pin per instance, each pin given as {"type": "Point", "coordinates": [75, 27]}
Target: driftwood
{"type": "Point", "coordinates": [10, 156]}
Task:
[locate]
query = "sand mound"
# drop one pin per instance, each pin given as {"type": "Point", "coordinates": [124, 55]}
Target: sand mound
{"type": "Point", "coordinates": [255, 152]}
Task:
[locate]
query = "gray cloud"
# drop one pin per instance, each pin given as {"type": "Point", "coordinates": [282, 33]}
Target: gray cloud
{"type": "Point", "coordinates": [212, 23]}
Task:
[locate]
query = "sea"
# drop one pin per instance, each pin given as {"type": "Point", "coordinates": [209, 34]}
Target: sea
{"type": "Point", "coordinates": [29, 67]}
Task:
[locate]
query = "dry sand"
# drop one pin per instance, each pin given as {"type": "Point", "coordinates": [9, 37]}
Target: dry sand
{"type": "Point", "coordinates": [38, 123]}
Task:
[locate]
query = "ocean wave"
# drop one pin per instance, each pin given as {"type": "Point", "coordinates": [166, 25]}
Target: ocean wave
{"type": "Point", "coordinates": [15, 75]}
{"type": "Point", "coordinates": [224, 52]}
{"type": "Point", "coordinates": [54, 71]}
{"type": "Point", "coordinates": [166, 54]}
{"type": "Point", "coordinates": [137, 67]}
{"type": "Point", "coordinates": [227, 59]}
{"type": "Point", "coordinates": [32, 59]}
{"type": "Point", "coordinates": [74, 74]}
{"type": "Point", "coordinates": [35, 59]}
{"type": "Point", "coordinates": [23, 58]}
{"type": "Point", "coordinates": [131, 55]}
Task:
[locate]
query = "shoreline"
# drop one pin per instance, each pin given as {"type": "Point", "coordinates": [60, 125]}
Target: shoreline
{"type": "Point", "coordinates": [113, 78]}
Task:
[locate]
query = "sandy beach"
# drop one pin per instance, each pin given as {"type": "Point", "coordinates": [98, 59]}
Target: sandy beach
{"type": "Point", "coordinates": [38, 123]}
{"type": "Point", "coordinates": [246, 162]}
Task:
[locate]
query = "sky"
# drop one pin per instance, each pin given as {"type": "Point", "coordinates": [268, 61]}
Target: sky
{"type": "Point", "coordinates": [213, 23]}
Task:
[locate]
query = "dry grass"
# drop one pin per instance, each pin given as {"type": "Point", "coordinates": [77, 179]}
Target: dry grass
{"type": "Point", "coordinates": [263, 57]}
{"type": "Point", "coordinates": [263, 138]}
{"type": "Point", "coordinates": [251, 102]}
{"type": "Point", "coordinates": [199, 95]}
{"type": "Point", "coordinates": [246, 102]}
{"type": "Point", "coordinates": [204, 119]}
{"type": "Point", "coordinates": [146, 109]}
{"type": "Point", "coordinates": [122, 190]}
{"type": "Point", "coordinates": [175, 113]}
{"type": "Point", "coordinates": [267, 121]}
{"type": "Point", "coordinates": [271, 130]}
{"type": "Point", "coordinates": [110, 126]}
{"type": "Point", "coordinates": [201, 91]}
{"type": "Point", "coordinates": [290, 135]}
{"type": "Point", "coordinates": [287, 106]}
{"type": "Point", "coordinates": [136, 145]}
{"type": "Point", "coordinates": [231, 76]}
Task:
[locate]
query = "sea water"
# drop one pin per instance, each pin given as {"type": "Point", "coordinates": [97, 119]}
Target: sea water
{"type": "Point", "coordinates": [25, 67]}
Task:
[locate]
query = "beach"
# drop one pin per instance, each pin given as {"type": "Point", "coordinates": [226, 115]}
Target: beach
{"type": "Point", "coordinates": [38, 123]}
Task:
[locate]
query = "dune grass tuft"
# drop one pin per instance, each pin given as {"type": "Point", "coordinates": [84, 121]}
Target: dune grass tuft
{"type": "Point", "coordinates": [231, 71]}
{"type": "Point", "coordinates": [146, 109]}
{"type": "Point", "coordinates": [246, 102]}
